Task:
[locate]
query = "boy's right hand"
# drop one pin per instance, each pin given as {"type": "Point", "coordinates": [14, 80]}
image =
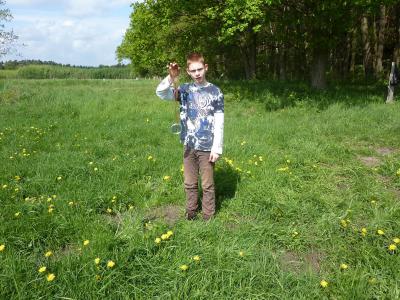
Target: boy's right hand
{"type": "Point", "coordinates": [173, 70]}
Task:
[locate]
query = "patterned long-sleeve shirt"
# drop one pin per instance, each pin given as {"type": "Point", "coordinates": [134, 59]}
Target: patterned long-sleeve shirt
{"type": "Point", "coordinates": [201, 114]}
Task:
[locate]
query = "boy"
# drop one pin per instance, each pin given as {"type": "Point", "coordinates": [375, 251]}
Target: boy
{"type": "Point", "coordinates": [202, 122]}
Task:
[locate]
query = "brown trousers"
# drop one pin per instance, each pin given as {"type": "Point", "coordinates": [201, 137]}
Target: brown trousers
{"type": "Point", "coordinates": [195, 161]}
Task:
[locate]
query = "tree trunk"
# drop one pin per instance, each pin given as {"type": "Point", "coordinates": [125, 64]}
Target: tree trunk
{"type": "Point", "coordinates": [249, 52]}
{"type": "Point", "coordinates": [396, 52]}
{"type": "Point", "coordinates": [381, 40]}
{"type": "Point", "coordinates": [318, 69]}
{"type": "Point", "coordinates": [390, 96]}
{"type": "Point", "coordinates": [282, 62]}
{"type": "Point", "coordinates": [367, 61]}
{"type": "Point", "coordinates": [353, 51]}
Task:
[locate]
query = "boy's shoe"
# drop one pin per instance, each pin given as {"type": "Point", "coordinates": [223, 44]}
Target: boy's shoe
{"type": "Point", "coordinates": [207, 218]}
{"type": "Point", "coordinates": [190, 216]}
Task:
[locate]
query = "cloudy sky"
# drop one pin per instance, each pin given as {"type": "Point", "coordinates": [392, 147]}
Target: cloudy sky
{"type": "Point", "coordinates": [77, 32]}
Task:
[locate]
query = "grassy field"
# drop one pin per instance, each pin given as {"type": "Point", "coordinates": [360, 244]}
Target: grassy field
{"type": "Point", "coordinates": [91, 176]}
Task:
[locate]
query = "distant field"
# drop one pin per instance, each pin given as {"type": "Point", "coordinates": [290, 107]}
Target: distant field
{"type": "Point", "coordinates": [90, 172]}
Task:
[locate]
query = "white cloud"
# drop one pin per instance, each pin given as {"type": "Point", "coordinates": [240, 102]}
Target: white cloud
{"type": "Point", "coordinates": [71, 40]}
{"type": "Point", "coordinates": [82, 34]}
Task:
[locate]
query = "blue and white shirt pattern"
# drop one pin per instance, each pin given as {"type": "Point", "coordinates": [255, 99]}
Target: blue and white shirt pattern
{"type": "Point", "coordinates": [201, 114]}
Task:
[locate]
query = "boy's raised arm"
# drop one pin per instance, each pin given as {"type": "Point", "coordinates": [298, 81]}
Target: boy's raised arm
{"type": "Point", "coordinates": [165, 90]}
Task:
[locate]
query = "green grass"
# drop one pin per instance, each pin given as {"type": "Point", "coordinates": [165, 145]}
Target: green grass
{"type": "Point", "coordinates": [285, 212]}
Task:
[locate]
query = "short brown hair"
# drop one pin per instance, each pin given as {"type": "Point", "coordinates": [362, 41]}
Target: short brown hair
{"type": "Point", "coordinates": [194, 57]}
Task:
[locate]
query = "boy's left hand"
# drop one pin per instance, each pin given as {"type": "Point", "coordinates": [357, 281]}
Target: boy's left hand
{"type": "Point", "coordinates": [213, 157]}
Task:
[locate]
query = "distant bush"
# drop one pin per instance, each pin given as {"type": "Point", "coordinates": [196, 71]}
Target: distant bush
{"type": "Point", "coordinates": [58, 72]}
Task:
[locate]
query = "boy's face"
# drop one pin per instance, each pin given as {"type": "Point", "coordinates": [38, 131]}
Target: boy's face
{"type": "Point", "coordinates": [197, 71]}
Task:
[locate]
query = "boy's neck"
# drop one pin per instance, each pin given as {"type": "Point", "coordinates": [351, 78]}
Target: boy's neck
{"type": "Point", "coordinates": [204, 83]}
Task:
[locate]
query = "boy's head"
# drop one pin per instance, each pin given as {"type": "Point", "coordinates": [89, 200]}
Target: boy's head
{"type": "Point", "coordinates": [196, 68]}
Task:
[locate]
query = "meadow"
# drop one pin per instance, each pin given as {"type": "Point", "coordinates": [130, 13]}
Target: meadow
{"type": "Point", "coordinates": [308, 194]}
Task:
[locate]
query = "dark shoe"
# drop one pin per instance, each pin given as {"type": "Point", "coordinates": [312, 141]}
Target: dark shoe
{"type": "Point", "coordinates": [207, 218]}
{"type": "Point", "coordinates": [190, 216]}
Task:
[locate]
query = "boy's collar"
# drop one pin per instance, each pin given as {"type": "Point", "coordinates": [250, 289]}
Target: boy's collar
{"type": "Point", "coordinates": [201, 85]}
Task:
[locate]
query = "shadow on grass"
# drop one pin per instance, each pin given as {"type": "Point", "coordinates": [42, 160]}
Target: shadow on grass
{"type": "Point", "coordinates": [226, 181]}
{"type": "Point", "coordinates": [275, 95]}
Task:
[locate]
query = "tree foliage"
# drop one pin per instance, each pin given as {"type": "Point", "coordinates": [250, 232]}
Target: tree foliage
{"type": "Point", "coordinates": [285, 39]}
{"type": "Point", "coordinates": [7, 38]}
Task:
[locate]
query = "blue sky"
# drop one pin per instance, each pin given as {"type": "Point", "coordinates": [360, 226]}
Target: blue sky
{"type": "Point", "coordinates": [77, 32]}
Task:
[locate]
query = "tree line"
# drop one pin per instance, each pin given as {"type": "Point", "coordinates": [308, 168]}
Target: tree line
{"type": "Point", "coordinates": [15, 64]}
{"type": "Point", "coordinates": [275, 39]}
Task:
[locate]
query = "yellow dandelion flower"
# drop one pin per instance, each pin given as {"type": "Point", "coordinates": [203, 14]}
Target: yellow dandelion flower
{"type": "Point", "coordinates": [109, 210]}
{"type": "Point", "coordinates": [295, 233]}
{"type": "Point", "coordinates": [86, 242]}
{"type": "Point", "coordinates": [343, 267]}
{"type": "Point", "coordinates": [241, 253]}
{"type": "Point", "coordinates": [184, 267]}
{"type": "Point", "coordinates": [17, 214]}
{"type": "Point", "coordinates": [260, 158]}
{"type": "Point", "coordinates": [110, 264]}
{"type": "Point", "coordinates": [50, 210]}
{"type": "Point", "coordinates": [2, 247]}
{"type": "Point", "coordinates": [149, 157]}
{"type": "Point", "coordinates": [42, 269]}
{"type": "Point", "coordinates": [48, 254]}
{"type": "Point", "coordinates": [380, 232]}
{"type": "Point", "coordinates": [157, 240]}
{"type": "Point", "coordinates": [97, 260]}
{"type": "Point", "coordinates": [54, 196]}
{"type": "Point", "coordinates": [70, 203]}
{"type": "Point", "coordinates": [59, 177]}
{"type": "Point", "coordinates": [97, 277]}
{"type": "Point", "coordinates": [324, 283]}
{"type": "Point", "coordinates": [166, 177]}
{"type": "Point", "coordinates": [17, 178]}
{"type": "Point", "coordinates": [392, 247]}
{"type": "Point", "coordinates": [373, 202]}
{"type": "Point", "coordinates": [169, 233]}
{"type": "Point", "coordinates": [398, 172]}
{"type": "Point", "coordinates": [50, 277]}
{"type": "Point", "coordinates": [164, 236]}
{"type": "Point", "coordinates": [16, 189]}
{"type": "Point", "coordinates": [396, 240]}
{"type": "Point", "coordinates": [182, 168]}
{"type": "Point", "coordinates": [288, 161]}
{"type": "Point", "coordinates": [4, 186]}
{"type": "Point", "coordinates": [196, 258]}
{"type": "Point", "coordinates": [243, 143]}
{"type": "Point", "coordinates": [130, 207]}
{"type": "Point", "coordinates": [91, 163]}
{"type": "Point", "coordinates": [343, 223]}
{"type": "Point", "coordinates": [95, 169]}
{"type": "Point", "coordinates": [364, 231]}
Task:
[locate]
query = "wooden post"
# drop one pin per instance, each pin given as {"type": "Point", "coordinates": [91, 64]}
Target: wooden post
{"type": "Point", "coordinates": [390, 96]}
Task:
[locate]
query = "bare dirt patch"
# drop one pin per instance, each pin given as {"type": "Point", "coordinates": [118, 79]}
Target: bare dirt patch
{"type": "Point", "coordinates": [292, 262]}
{"type": "Point", "coordinates": [370, 161]}
{"type": "Point", "coordinates": [301, 263]}
{"type": "Point", "coordinates": [385, 150]}
{"type": "Point", "coordinates": [169, 213]}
